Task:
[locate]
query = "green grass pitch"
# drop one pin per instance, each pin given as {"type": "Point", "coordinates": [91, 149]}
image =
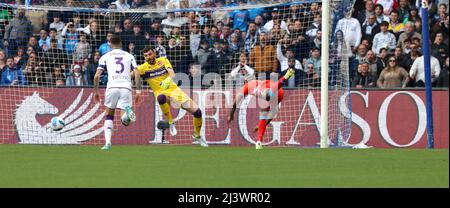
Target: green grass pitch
{"type": "Point", "coordinates": [219, 166]}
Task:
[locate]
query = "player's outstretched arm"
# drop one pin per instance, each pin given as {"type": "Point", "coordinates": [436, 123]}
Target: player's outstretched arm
{"type": "Point", "coordinates": [137, 79]}
{"type": "Point", "coordinates": [96, 84]}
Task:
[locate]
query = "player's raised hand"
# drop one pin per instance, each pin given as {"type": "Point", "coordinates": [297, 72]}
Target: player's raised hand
{"type": "Point", "coordinates": [289, 73]}
{"type": "Point", "coordinates": [96, 97]}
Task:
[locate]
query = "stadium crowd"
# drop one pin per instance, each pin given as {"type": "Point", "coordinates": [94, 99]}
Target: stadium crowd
{"type": "Point", "coordinates": [62, 48]}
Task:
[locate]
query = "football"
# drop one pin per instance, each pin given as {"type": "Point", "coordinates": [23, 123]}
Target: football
{"type": "Point", "coordinates": [57, 123]}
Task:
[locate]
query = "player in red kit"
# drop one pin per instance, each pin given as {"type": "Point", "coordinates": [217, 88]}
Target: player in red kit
{"type": "Point", "coordinates": [270, 94]}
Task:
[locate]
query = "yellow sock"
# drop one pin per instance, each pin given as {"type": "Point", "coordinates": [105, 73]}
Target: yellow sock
{"type": "Point", "coordinates": [166, 112]}
{"type": "Point", "coordinates": [197, 126]}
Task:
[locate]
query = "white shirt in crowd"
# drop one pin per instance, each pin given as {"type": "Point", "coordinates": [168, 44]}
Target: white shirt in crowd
{"type": "Point", "coordinates": [417, 69]}
{"type": "Point", "coordinates": [249, 72]}
{"type": "Point", "coordinates": [120, 6]}
{"type": "Point", "coordinates": [351, 29]}
{"type": "Point", "coordinates": [383, 40]}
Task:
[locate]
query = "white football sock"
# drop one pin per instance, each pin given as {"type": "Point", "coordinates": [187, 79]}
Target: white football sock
{"type": "Point", "coordinates": [108, 128]}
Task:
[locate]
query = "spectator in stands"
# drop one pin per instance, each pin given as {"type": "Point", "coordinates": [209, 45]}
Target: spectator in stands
{"type": "Point", "coordinates": [370, 28]}
{"type": "Point", "coordinates": [172, 21]}
{"type": "Point", "coordinates": [361, 53]}
{"type": "Point", "coordinates": [372, 60]}
{"type": "Point", "coordinates": [32, 42]}
{"type": "Point", "coordinates": [417, 71]}
{"type": "Point", "coordinates": [408, 34]}
{"type": "Point", "coordinates": [399, 56]}
{"type": "Point", "coordinates": [121, 5]}
{"type": "Point", "coordinates": [12, 74]}
{"type": "Point", "coordinates": [139, 41]}
{"type": "Point", "coordinates": [380, 15]}
{"type": "Point", "coordinates": [275, 19]}
{"type": "Point", "coordinates": [393, 76]}
{"type": "Point", "coordinates": [443, 28]}
{"type": "Point", "coordinates": [442, 12]}
{"type": "Point", "coordinates": [75, 77]}
{"type": "Point", "coordinates": [395, 26]}
{"type": "Point", "coordinates": [217, 60]}
{"type": "Point", "coordinates": [55, 57]}
{"type": "Point", "coordinates": [239, 18]}
{"type": "Point", "coordinates": [317, 41]}
{"type": "Point", "coordinates": [173, 54]}
{"type": "Point", "coordinates": [260, 22]}
{"type": "Point", "coordinates": [203, 54]}
{"type": "Point", "coordinates": [82, 49]}
{"type": "Point", "coordinates": [315, 60]}
{"type": "Point", "coordinates": [369, 10]}
{"type": "Point", "coordinates": [20, 58]}
{"type": "Point", "coordinates": [194, 38]}
{"type": "Point", "coordinates": [263, 56]}
{"type": "Point", "coordinates": [444, 75]}
{"type": "Point", "coordinates": [127, 33]}
{"type": "Point", "coordinates": [71, 38]}
{"type": "Point", "coordinates": [439, 49]}
{"type": "Point", "coordinates": [388, 5]}
{"type": "Point", "coordinates": [413, 15]}
{"type": "Point", "coordinates": [384, 39]}
{"type": "Point", "coordinates": [58, 78]}
{"type": "Point", "coordinates": [235, 45]}
{"type": "Point", "coordinates": [160, 48]}
{"type": "Point", "coordinates": [364, 79]}
{"type": "Point", "coordinates": [352, 31]}
{"type": "Point", "coordinates": [44, 41]}
{"type": "Point", "coordinates": [17, 32]}
{"type": "Point", "coordinates": [94, 35]}
{"type": "Point", "coordinates": [57, 23]}
{"type": "Point", "coordinates": [242, 73]}
{"type": "Point", "coordinates": [284, 64]}
{"type": "Point", "coordinates": [106, 47]}
{"type": "Point", "coordinates": [316, 25]}
{"type": "Point", "coordinates": [311, 79]}
{"type": "Point", "coordinates": [54, 35]}
{"type": "Point", "coordinates": [403, 11]}
{"type": "Point", "coordinates": [33, 70]}
{"type": "Point", "coordinates": [276, 34]}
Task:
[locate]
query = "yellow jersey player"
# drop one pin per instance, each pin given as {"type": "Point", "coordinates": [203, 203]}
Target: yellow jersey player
{"type": "Point", "coordinates": [158, 73]}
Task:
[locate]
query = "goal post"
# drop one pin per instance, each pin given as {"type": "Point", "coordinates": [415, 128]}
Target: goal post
{"type": "Point", "coordinates": [214, 50]}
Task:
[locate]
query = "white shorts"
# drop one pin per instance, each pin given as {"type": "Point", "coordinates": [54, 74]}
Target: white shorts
{"type": "Point", "coordinates": [118, 98]}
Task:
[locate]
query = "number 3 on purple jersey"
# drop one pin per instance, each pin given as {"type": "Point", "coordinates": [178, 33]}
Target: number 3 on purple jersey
{"type": "Point", "coordinates": [119, 62]}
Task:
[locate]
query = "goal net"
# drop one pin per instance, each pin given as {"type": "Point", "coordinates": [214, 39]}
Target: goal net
{"type": "Point", "coordinates": [50, 50]}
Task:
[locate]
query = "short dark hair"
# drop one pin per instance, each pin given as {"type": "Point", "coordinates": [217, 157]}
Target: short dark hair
{"type": "Point", "coordinates": [116, 40]}
{"type": "Point", "coordinates": [384, 23]}
{"type": "Point", "coordinates": [147, 49]}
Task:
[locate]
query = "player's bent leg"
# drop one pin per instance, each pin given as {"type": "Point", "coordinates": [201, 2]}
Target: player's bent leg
{"type": "Point", "coordinates": [163, 102]}
{"type": "Point", "coordinates": [193, 109]}
{"type": "Point", "coordinates": [261, 130]}
{"type": "Point", "coordinates": [108, 128]}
